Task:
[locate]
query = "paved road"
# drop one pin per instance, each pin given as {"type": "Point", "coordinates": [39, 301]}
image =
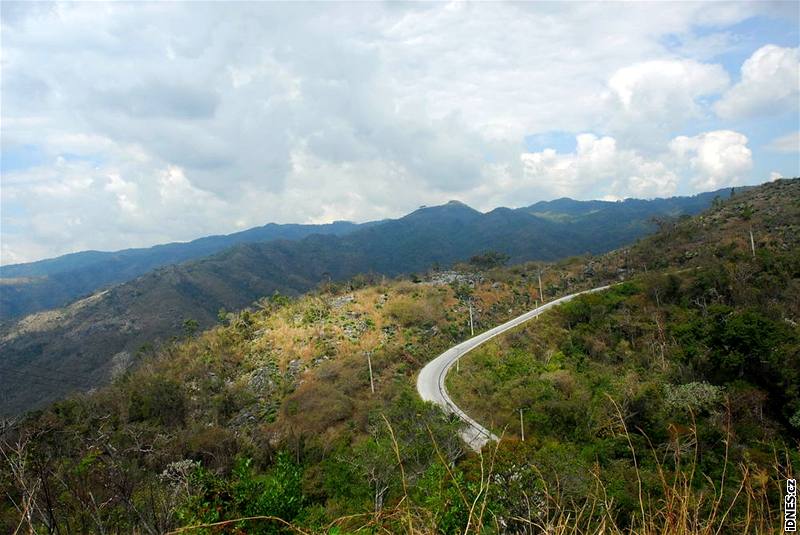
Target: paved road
{"type": "Point", "coordinates": [430, 382]}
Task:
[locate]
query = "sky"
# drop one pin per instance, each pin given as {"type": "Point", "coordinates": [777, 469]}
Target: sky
{"type": "Point", "coordinates": [131, 124]}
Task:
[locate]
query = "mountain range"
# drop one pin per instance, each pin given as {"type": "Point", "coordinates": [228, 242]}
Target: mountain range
{"type": "Point", "coordinates": [55, 282]}
{"type": "Point", "coordinates": [667, 403]}
{"type": "Point", "coordinates": [81, 345]}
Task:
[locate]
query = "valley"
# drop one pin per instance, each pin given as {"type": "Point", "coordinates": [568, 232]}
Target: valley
{"type": "Point", "coordinates": [305, 407]}
{"type": "Point", "coordinates": [98, 337]}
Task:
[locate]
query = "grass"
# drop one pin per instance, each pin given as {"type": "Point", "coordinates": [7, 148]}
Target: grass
{"type": "Point", "coordinates": [682, 508]}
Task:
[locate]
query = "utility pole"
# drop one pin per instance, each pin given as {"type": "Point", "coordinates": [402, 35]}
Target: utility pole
{"type": "Point", "coordinates": [541, 293]}
{"type": "Point", "coordinates": [369, 363]}
{"type": "Point", "coordinates": [471, 325]}
{"type": "Point", "coordinates": [752, 242]}
{"type": "Point", "coordinates": [521, 425]}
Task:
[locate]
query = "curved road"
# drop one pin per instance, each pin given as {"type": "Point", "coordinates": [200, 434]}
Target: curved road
{"type": "Point", "coordinates": [430, 382]}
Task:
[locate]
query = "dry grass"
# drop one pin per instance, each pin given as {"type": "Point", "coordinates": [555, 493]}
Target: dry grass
{"type": "Point", "coordinates": [683, 509]}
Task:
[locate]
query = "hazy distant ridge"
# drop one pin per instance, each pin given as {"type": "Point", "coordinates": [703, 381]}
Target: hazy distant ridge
{"type": "Point", "coordinates": [90, 338]}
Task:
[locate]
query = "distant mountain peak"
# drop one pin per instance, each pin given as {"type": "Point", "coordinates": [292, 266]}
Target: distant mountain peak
{"type": "Point", "coordinates": [450, 209]}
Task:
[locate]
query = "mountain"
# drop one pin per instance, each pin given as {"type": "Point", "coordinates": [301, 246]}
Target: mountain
{"type": "Point", "coordinates": [55, 282]}
{"type": "Point", "coordinates": [99, 336]}
{"type": "Point", "coordinates": [566, 208]}
{"type": "Point", "coordinates": [669, 403]}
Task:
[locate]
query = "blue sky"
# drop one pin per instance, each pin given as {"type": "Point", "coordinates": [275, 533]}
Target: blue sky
{"type": "Point", "coordinates": [131, 124]}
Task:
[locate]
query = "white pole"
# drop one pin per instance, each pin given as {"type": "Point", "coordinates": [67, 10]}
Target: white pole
{"type": "Point", "coordinates": [521, 425]}
{"type": "Point", "coordinates": [752, 242]}
{"type": "Point", "coordinates": [471, 326]}
{"type": "Point", "coordinates": [541, 293]}
{"type": "Point", "coordinates": [371, 382]}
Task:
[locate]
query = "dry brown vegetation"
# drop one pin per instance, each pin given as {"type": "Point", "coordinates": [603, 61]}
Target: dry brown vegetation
{"type": "Point", "coordinates": [272, 411]}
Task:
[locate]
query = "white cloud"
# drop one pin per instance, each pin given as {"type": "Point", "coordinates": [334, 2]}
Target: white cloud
{"type": "Point", "coordinates": [570, 174]}
{"type": "Point", "coordinates": [653, 84]}
{"type": "Point", "coordinates": [190, 119]}
{"type": "Point", "coordinates": [597, 168]}
{"type": "Point", "coordinates": [789, 143]}
{"type": "Point", "coordinates": [718, 158]}
{"type": "Point", "coordinates": [770, 84]}
{"type": "Point", "coordinates": [651, 100]}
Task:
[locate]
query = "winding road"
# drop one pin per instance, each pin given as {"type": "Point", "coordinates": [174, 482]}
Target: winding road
{"type": "Point", "coordinates": [431, 379]}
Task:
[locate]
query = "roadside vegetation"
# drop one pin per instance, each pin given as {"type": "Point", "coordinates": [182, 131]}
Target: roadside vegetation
{"type": "Point", "coordinates": [669, 404]}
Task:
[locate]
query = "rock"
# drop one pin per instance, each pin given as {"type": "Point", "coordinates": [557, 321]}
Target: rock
{"type": "Point", "coordinates": [342, 300]}
{"type": "Point", "coordinates": [262, 380]}
{"type": "Point", "coordinates": [244, 417]}
{"type": "Point", "coordinates": [388, 331]}
{"type": "Point", "coordinates": [354, 328]}
{"type": "Point", "coordinates": [319, 360]}
{"type": "Point", "coordinates": [120, 362]}
{"type": "Point", "coordinates": [443, 278]}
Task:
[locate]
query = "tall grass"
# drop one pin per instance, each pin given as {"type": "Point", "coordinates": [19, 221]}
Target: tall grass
{"type": "Point", "coordinates": [690, 503]}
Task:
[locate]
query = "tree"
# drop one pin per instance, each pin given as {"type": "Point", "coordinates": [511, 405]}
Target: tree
{"type": "Point", "coordinates": [489, 260]}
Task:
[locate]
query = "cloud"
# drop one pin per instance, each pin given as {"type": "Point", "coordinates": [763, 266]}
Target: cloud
{"type": "Point", "coordinates": [152, 122]}
{"type": "Point", "coordinates": [769, 85]}
{"type": "Point", "coordinates": [788, 144]}
{"type": "Point", "coordinates": [597, 168]}
{"type": "Point", "coordinates": [653, 99]}
{"type": "Point", "coordinates": [600, 168]}
{"type": "Point", "coordinates": [653, 84]}
{"type": "Point", "coordinates": [594, 160]}
{"type": "Point", "coordinates": [717, 158]}
{"type": "Point", "coordinates": [159, 99]}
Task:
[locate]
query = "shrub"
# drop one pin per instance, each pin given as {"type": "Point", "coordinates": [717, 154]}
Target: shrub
{"type": "Point", "coordinates": [159, 399]}
{"type": "Point", "coordinates": [278, 493]}
{"type": "Point", "coordinates": [421, 312]}
{"type": "Point", "coordinates": [695, 396]}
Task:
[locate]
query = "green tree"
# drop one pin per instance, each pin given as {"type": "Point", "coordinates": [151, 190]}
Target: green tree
{"type": "Point", "coordinates": [489, 260]}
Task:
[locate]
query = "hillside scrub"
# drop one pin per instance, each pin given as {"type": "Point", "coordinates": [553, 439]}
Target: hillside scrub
{"type": "Point", "coordinates": [699, 366]}
{"type": "Point", "coordinates": [668, 404]}
{"type": "Point", "coordinates": [193, 432]}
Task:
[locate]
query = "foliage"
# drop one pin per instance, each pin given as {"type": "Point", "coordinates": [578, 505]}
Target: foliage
{"type": "Point", "coordinates": [489, 260]}
{"type": "Point", "coordinates": [246, 493]}
{"type": "Point", "coordinates": [141, 304]}
{"type": "Point", "coordinates": [667, 404]}
{"type": "Point", "coordinates": [692, 397]}
{"type": "Point", "coordinates": [157, 398]}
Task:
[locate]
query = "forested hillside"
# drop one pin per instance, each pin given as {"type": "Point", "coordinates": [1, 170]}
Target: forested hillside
{"type": "Point", "coordinates": [96, 337]}
{"type": "Point", "coordinates": [669, 404]}
{"type": "Point", "coordinates": [55, 282]}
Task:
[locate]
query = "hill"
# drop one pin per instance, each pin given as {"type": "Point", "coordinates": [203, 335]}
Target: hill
{"type": "Point", "coordinates": [56, 282]}
{"type": "Point", "coordinates": [668, 404]}
{"type": "Point", "coordinates": [99, 336]}
{"type": "Point", "coordinates": [53, 283]}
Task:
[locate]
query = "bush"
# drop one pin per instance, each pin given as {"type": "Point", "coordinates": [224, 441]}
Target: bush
{"type": "Point", "coordinates": [158, 399]}
{"type": "Point", "coordinates": [695, 397]}
{"type": "Point", "coordinates": [423, 312]}
{"type": "Point", "coordinates": [278, 493]}
{"type": "Point", "coordinates": [489, 260]}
